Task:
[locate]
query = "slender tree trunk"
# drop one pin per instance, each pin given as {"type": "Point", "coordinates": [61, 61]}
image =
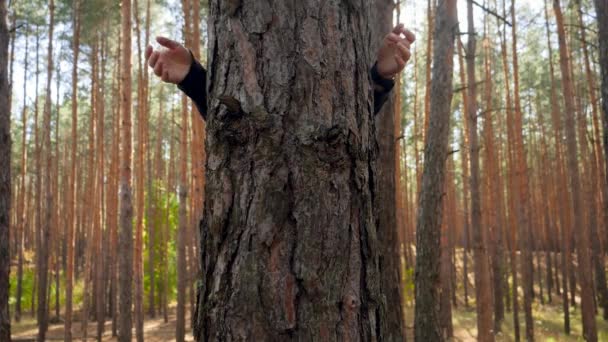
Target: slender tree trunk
{"type": "Point", "coordinates": [23, 204]}
{"type": "Point", "coordinates": [46, 225]}
{"type": "Point", "coordinates": [125, 248]}
{"type": "Point", "coordinates": [495, 227]}
{"type": "Point", "coordinates": [602, 19]}
{"type": "Point", "coordinates": [139, 182]}
{"type": "Point", "coordinates": [386, 198]}
{"type": "Point", "coordinates": [522, 191]}
{"type": "Point", "coordinates": [465, 176]}
{"type": "Point", "coordinates": [582, 240]}
{"type": "Point", "coordinates": [426, 322]}
{"type": "Point", "coordinates": [483, 294]}
{"type": "Point", "coordinates": [71, 222]}
{"type": "Point", "coordinates": [5, 178]}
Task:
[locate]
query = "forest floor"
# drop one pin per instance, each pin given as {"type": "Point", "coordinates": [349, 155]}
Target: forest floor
{"type": "Point", "coordinates": [155, 330]}
{"type": "Point", "coordinates": [548, 318]}
{"type": "Point", "coordinates": [548, 326]}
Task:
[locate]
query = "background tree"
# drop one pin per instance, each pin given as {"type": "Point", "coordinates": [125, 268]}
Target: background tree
{"type": "Point", "coordinates": [426, 322]}
{"type": "Point", "coordinates": [125, 238]}
{"type": "Point", "coordinates": [5, 177]}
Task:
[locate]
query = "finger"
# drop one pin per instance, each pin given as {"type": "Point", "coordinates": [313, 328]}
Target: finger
{"type": "Point", "coordinates": [149, 51]}
{"type": "Point", "coordinates": [158, 69]}
{"type": "Point", "coordinates": [406, 43]}
{"type": "Point", "coordinates": [393, 38]}
{"type": "Point", "coordinates": [400, 62]}
{"type": "Point", "coordinates": [409, 35]}
{"type": "Point", "coordinates": [165, 76]}
{"type": "Point", "coordinates": [153, 59]}
{"type": "Point", "coordinates": [166, 42]}
{"type": "Point", "coordinates": [398, 29]}
{"type": "Point", "coordinates": [404, 53]}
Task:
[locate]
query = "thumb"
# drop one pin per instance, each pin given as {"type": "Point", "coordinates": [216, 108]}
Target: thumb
{"type": "Point", "coordinates": [166, 42]}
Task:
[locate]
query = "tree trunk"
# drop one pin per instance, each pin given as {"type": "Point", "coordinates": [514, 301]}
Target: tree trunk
{"type": "Point", "coordinates": [602, 18]}
{"type": "Point", "coordinates": [582, 239]}
{"type": "Point", "coordinates": [290, 178]}
{"type": "Point", "coordinates": [47, 192]}
{"type": "Point", "coordinates": [492, 176]}
{"type": "Point", "coordinates": [23, 203]}
{"type": "Point", "coordinates": [426, 322]}
{"type": "Point", "coordinates": [5, 178]}
{"type": "Point", "coordinates": [483, 294]}
{"type": "Point", "coordinates": [387, 131]}
{"type": "Point", "coordinates": [522, 190]}
{"type": "Point", "coordinates": [139, 181]}
{"type": "Point", "coordinates": [125, 275]}
{"type": "Point", "coordinates": [71, 222]}
{"type": "Point", "coordinates": [465, 177]}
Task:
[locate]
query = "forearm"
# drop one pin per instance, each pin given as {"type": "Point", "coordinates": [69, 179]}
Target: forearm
{"type": "Point", "coordinates": [382, 89]}
{"type": "Point", "coordinates": [195, 86]}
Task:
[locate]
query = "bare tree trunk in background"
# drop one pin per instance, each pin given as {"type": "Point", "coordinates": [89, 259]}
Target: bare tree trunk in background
{"type": "Point", "coordinates": [125, 248]}
{"type": "Point", "coordinates": [465, 176]}
{"type": "Point", "coordinates": [492, 176]}
{"type": "Point", "coordinates": [561, 191]}
{"type": "Point", "coordinates": [23, 209]}
{"type": "Point", "coordinates": [522, 191]}
{"type": "Point", "coordinates": [71, 222]}
{"type": "Point", "coordinates": [596, 160]}
{"type": "Point", "coordinates": [291, 184]}
{"type": "Point", "coordinates": [139, 180]}
{"type": "Point", "coordinates": [46, 224]}
{"type": "Point", "coordinates": [483, 294]}
{"type": "Point", "coordinates": [582, 238]}
{"type": "Point", "coordinates": [602, 19]}
{"type": "Point", "coordinates": [426, 322]}
{"type": "Point", "coordinates": [5, 178]}
{"type": "Point", "coordinates": [388, 127]}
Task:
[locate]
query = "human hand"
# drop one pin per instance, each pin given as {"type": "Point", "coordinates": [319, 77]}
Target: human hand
{"type": "Point", "coordinates": [394, 52]}
{"type": "Point", "coordinates": [171, 63]}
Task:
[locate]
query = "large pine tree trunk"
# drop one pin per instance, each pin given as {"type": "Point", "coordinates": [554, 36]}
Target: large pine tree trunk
{"type": "Point", "coordinates": [5, 178]}
{"type": "Point", "coordinates": [427, 321]}
{"type": "Point", "coordinates": [289, 241]}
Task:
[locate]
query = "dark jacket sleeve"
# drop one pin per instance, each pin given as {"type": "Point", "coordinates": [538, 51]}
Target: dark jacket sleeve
{"type": "Point", "coordinates": [382, 89]}
{"type": "Point", "coordinates": [195, 86]}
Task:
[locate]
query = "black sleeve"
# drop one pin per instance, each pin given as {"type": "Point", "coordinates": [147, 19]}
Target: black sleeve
{"type": "Point", "coordinates": [195, 86]}
{"type": "Point", "coordinates": [382, 89]}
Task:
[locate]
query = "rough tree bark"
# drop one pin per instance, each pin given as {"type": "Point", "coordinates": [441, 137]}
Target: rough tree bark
{"type": "Point", "coordinates": [426, 322]}
{"type": "Point", "coordinates": [5, 178]}
{"type": "Point", "coordinates": [125, 238]}
{"type": "Point", "coordinates": [582, 238]}
{"type": "Point", "coordinates": [290, 177]}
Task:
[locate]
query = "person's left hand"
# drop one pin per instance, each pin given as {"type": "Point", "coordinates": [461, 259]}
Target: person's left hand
{"type": "Point", "coordinates": [395, 51]}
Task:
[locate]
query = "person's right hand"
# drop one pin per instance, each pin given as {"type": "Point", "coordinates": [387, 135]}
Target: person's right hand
{"type": "Point", "coordinates": [172, 63]}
